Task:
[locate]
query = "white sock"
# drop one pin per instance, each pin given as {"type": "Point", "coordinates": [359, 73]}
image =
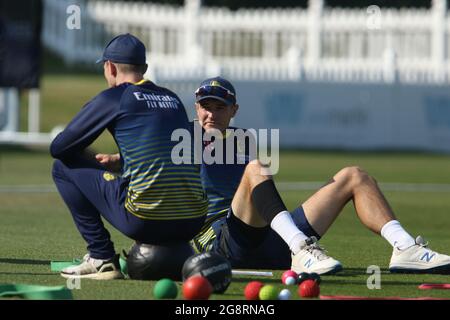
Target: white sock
{"type": "Point", "coordinates": [394, 233]}
{"type": "Point", "coordinates": [283, 224]}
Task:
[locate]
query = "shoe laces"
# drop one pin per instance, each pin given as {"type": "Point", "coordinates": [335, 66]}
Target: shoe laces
{"type": "Point", "coordinates": [421, 242]}
{"type": "Point", "coordinates": [317, 251]}
{"type": "Point", "coordinates": [96, 263]}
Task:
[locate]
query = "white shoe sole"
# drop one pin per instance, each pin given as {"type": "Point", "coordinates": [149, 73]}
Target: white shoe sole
{"type": "Point", "coordinates": [110, 275]}
{"type": "Point", "coordinates": [413, 268]}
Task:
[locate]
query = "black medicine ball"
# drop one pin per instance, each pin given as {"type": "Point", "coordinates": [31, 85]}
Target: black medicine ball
{"type": "Point", "coordinates": [214, 267]}
{"type": "Point", "coordinates": [154, 262]}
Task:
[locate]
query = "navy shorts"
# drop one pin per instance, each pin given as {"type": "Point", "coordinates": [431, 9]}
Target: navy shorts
{"type": "Point", "coordinates": [270, 251]}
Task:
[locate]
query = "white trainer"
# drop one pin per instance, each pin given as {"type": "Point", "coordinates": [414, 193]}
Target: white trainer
{"type": "Point", "coordinates": [97, 269]}
{"type": "Point", "coordinates": [419, 259]}
{"type": "Point", "coordinates": [312, 258]}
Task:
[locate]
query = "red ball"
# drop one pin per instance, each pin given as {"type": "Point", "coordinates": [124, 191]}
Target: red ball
{"type": "Point", "coordinates": [197, 288]}
{"type": "Point", "coordinates": [309, 289]}
{"type": "Point", "coordinates": [252, 289]}
{"type": "Point", "coordinates": [287, 274]}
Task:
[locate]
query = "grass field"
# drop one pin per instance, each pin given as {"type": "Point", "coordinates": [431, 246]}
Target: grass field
{"type": "Point", "coordinates": [36, 227]}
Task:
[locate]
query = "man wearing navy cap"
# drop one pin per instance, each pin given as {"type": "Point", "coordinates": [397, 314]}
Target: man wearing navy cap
{"type": "Point", "coordinates": [248, 223]}
{"type": "Point", "coordinates": [247, 220]}
{"type": "Point", "coordinates": [140, 191]}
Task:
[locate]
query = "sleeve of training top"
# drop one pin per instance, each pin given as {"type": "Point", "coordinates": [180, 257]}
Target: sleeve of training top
{"type": "Point", "coordinates": [86, 126]}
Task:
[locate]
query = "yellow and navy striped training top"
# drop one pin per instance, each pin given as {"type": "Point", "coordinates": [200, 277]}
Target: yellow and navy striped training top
{"type": "Point", "coordinates": [142, 117]}
{"type": "Point", "coordinates": [220, 181]}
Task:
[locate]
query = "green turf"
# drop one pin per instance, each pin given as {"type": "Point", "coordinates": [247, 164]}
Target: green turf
{"type": "Point", "coordinates": [36, 228]}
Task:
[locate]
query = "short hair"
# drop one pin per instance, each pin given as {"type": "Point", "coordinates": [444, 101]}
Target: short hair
{"type": "Point", "coordinates": [131, 68]}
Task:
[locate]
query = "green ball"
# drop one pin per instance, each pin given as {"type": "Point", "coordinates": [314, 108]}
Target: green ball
{"type": "Point", "coordinates": [165, 289]}
{"type": "Point", "coordinates": [268, 292]}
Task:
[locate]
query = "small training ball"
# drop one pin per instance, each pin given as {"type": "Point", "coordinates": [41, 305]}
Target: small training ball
{"type": "Point", "coordinates": [309, 289]}
{"type": "Point", "coordinates": [268, 292]}
{"type": "Point", "coordinates": [290, 281]}
{"type": "Point", "coordinates": [165, 289]}
{"type": "Point", "coordinates": [302, 277]}
{"type": "Point", "coordinates": [251, 291]}
{"type": "Point", "coordinates": [289, 277]}
{"type": "Point", "coordinates": [197, 288]}
{"type": "Point", "coordinates": [284, 294]}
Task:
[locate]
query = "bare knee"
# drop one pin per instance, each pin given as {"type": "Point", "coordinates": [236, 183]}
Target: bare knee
{"type": "Point", "coordinates": [255, 173]}
{"type": "Point", "coordinates": [355, 177]}
{"type": "Point", "coordinates": [256, 168]}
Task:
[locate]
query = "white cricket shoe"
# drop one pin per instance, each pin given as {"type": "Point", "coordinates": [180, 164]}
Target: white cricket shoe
{"type": "Point", "coordinates": [419, 259]}
{"type": "Point", "coordinates": [97, 269]}
{"type": "Point", "coordinates": [312, 258]}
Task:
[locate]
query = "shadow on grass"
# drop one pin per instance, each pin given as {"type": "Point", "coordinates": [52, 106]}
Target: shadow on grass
{"type": "Point", "coordinates": [28, 274]}
{"type": "Point", "coordinates": [262, 279]}
{"type": "Point", "coordinates": [351, 272]}
{"type": "Point", "coordinates": [25, 261]}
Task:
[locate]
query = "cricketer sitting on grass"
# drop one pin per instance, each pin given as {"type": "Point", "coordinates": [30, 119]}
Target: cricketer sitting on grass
{"type": "Point", "coordinates": [248, 223]}
{"type": "Point", "coordinates": [153, 201]}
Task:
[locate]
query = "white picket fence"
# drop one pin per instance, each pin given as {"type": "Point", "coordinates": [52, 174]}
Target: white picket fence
{"type": "Point", "coordinates": [316, 43]}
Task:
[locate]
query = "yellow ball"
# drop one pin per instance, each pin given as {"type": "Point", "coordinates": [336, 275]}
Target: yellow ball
{"type": "Point", "coordinates": [268, 292]}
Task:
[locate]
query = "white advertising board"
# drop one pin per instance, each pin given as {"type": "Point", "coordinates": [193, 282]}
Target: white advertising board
{"type": "Point", "coordinates": [342, 116]}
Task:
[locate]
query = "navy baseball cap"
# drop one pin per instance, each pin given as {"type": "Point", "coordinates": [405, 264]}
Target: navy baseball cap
{"type": "Point", "coordinates": [216, 88]}
{"type": "Point", "coordinates": [124, 48]}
